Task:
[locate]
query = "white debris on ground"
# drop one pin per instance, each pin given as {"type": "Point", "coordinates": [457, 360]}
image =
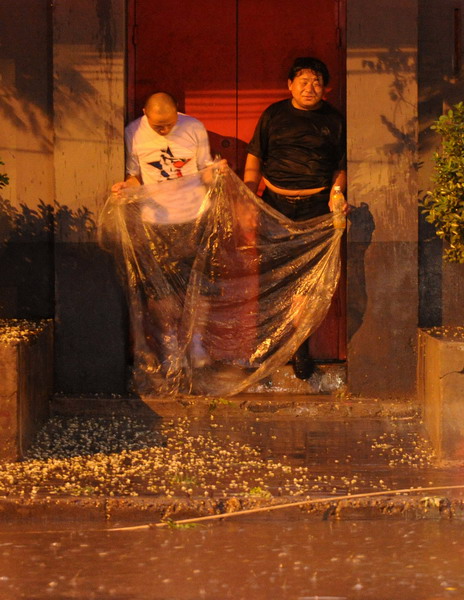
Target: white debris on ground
{"type": "Point", "coordinates": [125, 457]}
{"type": "Point", "coordinates": [178, 458]}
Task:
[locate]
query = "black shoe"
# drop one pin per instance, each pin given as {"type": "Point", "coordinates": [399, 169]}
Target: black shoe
{"type": "Point", "coordinates": [302, 363]}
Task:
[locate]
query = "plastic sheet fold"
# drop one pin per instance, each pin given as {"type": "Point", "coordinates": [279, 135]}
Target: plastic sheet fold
{"type": "Point", "coordinates": [221, 288]}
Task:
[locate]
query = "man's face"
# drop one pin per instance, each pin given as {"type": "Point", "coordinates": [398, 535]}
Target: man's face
{"type": "Point", "coordinates": [162, 123]}
{"type": "Point", "coordinates": [307, 89]}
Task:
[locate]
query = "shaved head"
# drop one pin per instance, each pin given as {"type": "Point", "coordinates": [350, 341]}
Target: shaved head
{"type": "Point", "coordinates": [161, 112]}
{"type": "Point", "coordinates": [161, 102]}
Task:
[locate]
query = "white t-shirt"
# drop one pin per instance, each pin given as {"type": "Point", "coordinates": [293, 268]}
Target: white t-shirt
{"type": "Point", "coordinates": [156, 158]}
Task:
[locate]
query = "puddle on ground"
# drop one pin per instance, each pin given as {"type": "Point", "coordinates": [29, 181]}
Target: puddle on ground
{"type": "Point", "coordinates": [282, 557]}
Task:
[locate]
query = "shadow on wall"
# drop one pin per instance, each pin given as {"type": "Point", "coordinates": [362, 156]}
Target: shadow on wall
{"type": "Point", "coordinates": [25, 117]}
{"type": "Point", "coordinates": [430, 275]}
{"type": "Point", "coordinates": [360, 236]}
{"type": "Point", "coordinates": [402, 67]}
{"type": "Point", "coordinates": [379, 170]}
{"type": "Point", "coordinates": [385, 169]}
{"type": "Point", "coordinates": [413, 142]}
{"type": "Point", "coordinates": [84, 115]}
{"type": "Point", "coordinates": [72, 281]}
{"type": "Point", "coordinates": [43, 79]}
{"type": "Point", "coordinates": [44, 222]}
{"type": "Point", "coordinates": [27, 254]}
{"type": "Point", "coordinates": [80, 110]}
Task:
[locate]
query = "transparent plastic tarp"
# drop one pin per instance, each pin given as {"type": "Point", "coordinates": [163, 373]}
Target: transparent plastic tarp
{"type": "Point", "coordinates": [221, 288]}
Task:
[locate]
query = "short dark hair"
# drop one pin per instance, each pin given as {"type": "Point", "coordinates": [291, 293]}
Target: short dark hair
{"type": "Point", "coordinates": [311, 63]}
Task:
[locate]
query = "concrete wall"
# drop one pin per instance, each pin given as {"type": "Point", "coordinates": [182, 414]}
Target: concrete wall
{"type": "Point", "coordinates": [382, 171]}
{"type": "Point", "coordinates": [88, 98]}
{"type": "Point", "coordinates": [441, 284]}
{"type": "Point", "coordinates": [26, 148]}
{"type": "Point", "coordinates": [62, 109]}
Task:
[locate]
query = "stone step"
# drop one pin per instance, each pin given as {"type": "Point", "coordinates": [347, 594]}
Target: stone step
{"type": "Point", "coordinates": [243, 406]}
{"type": "Point", "coordinates": [279, 392]}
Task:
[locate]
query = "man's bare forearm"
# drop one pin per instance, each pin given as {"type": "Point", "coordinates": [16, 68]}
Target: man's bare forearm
{"type": "Point", "coordinates": [252, 174]}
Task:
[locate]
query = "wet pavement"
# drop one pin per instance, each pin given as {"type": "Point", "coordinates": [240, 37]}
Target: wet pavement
{"type": "Point", "coordinates": [121, 468]}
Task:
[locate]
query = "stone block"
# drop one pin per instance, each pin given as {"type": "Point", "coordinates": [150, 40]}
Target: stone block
{"type": "Point", "coordinates": [441, 388]}
{"type": "Point", "coordinates": [26, 383]}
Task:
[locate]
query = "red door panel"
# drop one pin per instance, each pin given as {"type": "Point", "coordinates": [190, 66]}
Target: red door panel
{"type": "Point", "coordinates": [271, 35]}
{"type": "Point", "coordinates": [189, 49]}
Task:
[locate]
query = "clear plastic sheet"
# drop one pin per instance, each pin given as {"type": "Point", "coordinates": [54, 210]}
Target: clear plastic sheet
{"type": "Point", "coordinates": [222, 289]}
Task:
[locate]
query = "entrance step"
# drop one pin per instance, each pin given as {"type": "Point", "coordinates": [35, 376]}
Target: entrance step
{"type": "Point", "coordinates": [328, 378]}
{"type": "Point", "coordinates": [243, 406]}
{"type": "Point", "coordinates": [280, 392]}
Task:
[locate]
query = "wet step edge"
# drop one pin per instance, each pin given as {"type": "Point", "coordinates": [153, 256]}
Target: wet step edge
{"type": "Point", "coordinates": [243, 405]}
{"type": "Point", "coordinates": [146, 510]}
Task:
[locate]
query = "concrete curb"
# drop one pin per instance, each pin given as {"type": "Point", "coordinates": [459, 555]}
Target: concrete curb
{"type": "Point", "coordinates": [107, 512]}
{"type": "Point", "coordinates": [273, 405]}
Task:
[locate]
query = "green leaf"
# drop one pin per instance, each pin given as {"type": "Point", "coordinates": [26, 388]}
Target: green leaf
{"type": "Point", "coordinates": [443, 206]}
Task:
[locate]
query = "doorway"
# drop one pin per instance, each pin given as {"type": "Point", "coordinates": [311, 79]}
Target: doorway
{"type": "Point", "coordinates": [225, 62]}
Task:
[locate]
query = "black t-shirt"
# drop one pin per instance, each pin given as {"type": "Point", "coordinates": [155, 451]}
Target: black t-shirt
{"type": "Point", "coordinates": [299, 148]}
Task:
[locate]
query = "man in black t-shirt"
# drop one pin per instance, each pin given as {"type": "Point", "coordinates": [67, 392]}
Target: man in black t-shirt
{"type": "Point", "coordinates": [298, 148]}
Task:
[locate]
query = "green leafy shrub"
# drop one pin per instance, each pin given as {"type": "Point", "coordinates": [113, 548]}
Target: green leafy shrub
{"type": "Point", "coordinates": [444, 205]}
{"type": "Point", "coordinates": [4, 179]}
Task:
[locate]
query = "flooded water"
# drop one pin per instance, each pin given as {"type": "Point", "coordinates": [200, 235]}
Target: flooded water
{"type": "Point", "coordinates": [287, 556]}
{"type": "Point", "coordinates": [277, 556]}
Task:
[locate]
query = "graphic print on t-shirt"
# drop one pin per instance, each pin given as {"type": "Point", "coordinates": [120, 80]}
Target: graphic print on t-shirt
{"type": "Point", "coordinates": [169, 166]}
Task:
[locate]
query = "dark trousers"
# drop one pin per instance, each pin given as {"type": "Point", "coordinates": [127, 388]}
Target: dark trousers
{"type": "Point", "coordinates": [299, 208]}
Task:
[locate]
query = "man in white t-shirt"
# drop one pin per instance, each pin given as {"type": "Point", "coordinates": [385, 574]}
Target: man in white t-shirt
{"type": "Point", "coordinates": [163, 144]}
